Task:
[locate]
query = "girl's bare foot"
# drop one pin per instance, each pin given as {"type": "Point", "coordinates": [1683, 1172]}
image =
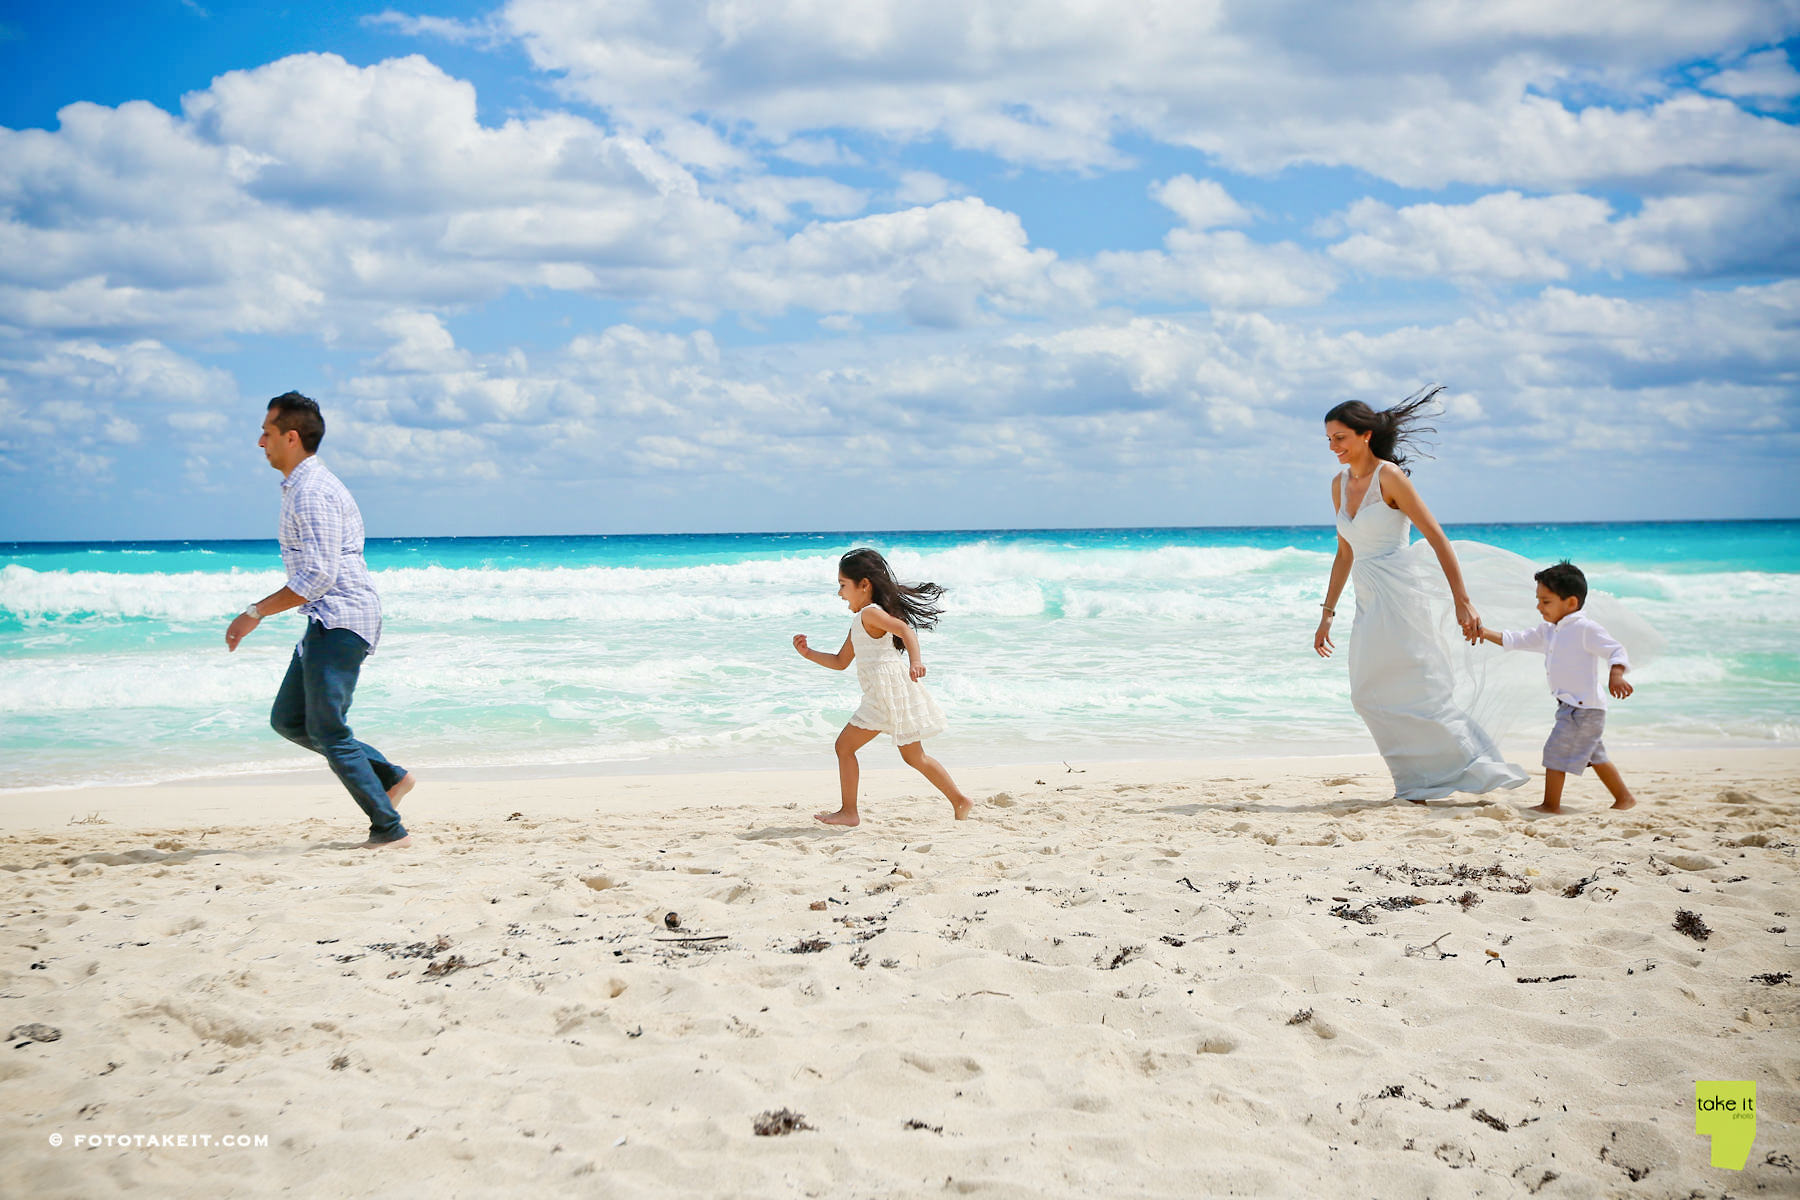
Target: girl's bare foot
{"type": "Point", "coordinates": [840, 817]}
{"type": "Point", "coordinates": [396, 843]}
{"type": "Point", "coordinates": [1627, 802]}
{"type": "Point", "coordinates": [1549, 810]}
{"type": "Point", "coordinates": [962, 806]}
{"type": "Point", "coordinates": [399, 790]}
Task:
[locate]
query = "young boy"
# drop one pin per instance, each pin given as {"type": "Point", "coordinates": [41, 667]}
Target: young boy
{"type": "Point", "coordinates": [1571, 644]}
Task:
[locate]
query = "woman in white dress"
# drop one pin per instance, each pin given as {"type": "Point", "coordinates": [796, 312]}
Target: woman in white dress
{"type": "Point", "coordinates": [1402, 681]}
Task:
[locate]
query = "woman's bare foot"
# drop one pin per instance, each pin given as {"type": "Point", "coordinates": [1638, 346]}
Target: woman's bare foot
{"type": "Point", "coordinates": [840, 817]}
{"type": "Point", "coordinates": [1627, 802]}
{"type": "Point", "coordinates": [962, 806]}
{"type": "Point", "coordinates": [396, 843]}
{"type": "Point", "coordinates": [1549, 810]}
{"type": "Point", "coordinates": [399, 790]}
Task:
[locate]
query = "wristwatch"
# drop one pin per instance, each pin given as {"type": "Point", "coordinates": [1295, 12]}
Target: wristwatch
{"type": "Point", "coordinates": [253, 612]}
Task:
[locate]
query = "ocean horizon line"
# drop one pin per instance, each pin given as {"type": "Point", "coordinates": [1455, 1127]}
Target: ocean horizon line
{"type": "Point", "coordinates": [972, 531]}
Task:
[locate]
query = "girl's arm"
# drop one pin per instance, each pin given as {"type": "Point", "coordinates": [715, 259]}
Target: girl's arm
{"type": "Point", "coordinates": [836, 662]}
{"type": "Point", "coordinates": [1340, 571]}
{"type": "Point", "coordinates": [885, 624]}
{"type": "Point", "coordinates": [1399, 490]}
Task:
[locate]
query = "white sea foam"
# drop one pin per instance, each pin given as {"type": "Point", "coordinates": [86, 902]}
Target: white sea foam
{"type": "Point", "coordinates": [1044, 648]}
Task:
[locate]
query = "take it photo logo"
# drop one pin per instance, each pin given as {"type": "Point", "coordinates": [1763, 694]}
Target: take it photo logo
{"type": "Point", "coordinates": [1725, 1110]}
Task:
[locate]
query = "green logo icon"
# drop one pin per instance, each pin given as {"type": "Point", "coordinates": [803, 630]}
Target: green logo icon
{"type": "Point", "coordinates": [1725, 1110]}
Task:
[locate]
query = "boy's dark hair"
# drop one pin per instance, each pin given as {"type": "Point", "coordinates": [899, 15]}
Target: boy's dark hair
{"type": "Point", "coordinates": [916, 605]}
{"type": "Point", "coordinates": [1565, 579]}
{"type": "Point", "coordinates": [295, 413]}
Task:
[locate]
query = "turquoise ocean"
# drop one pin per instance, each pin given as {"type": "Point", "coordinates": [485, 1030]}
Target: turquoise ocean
{"type": "Point", "coordinates": [668, 653]}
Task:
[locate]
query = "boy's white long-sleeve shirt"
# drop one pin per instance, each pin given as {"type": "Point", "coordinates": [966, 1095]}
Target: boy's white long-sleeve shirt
{"type": "Point", "coordinates": [1572, 649]}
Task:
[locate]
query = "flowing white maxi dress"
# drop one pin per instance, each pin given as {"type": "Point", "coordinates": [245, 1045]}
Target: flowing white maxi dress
{"type": "Point", "coordinates": [892, 702]}
{"type": "Point", "coordinates": [1416, 699]}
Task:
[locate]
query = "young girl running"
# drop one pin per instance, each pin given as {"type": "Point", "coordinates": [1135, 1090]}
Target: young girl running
{"type": "Point", "coordinates": [885, 647]}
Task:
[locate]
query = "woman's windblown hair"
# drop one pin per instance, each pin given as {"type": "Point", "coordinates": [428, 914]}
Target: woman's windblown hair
{"type": "Point", "coordinates": [916, 605]}
{"type": "Point", "coordinates": [1394, 433]}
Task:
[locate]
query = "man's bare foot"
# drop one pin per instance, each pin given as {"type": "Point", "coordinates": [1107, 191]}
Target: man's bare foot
{"type": "Point", "coordinates": [840, 817]}
{"type": "Point", "coordinates": [1412, 801]}
{"type": "Point", "coordinates": [396, 843]}
{"type": "Point", "coordinates": [1549, 810]}
{"type": "Point", "coordinates": [399, 790]}
{"type": "Point", "coordinates": [1627, 802]}
{"type": "Point", "coordinates": [962, 808]}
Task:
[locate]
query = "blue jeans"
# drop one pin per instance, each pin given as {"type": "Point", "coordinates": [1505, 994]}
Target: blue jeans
{"type": "Point", "coordinates": [310, 711]}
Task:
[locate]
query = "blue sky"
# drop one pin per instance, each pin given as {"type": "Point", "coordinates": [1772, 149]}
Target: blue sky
{"type": "Point", "coordinates": [555, 266]}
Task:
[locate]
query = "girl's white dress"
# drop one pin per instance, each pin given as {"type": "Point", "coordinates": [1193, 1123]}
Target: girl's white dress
{"type": "Point", "coordinates": [892, 702]}
{"type": "Point", "coordinates": [1420, 695]}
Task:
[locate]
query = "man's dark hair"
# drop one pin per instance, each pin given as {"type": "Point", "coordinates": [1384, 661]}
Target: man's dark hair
{"type": "Point", "coordinates": [1564, 579]}
{"type": "Point", "coordinates": [295, 413]}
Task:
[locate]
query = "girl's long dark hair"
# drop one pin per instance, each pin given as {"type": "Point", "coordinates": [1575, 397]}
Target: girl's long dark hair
{"type": "Point", "coordinates": [915, 604]}
{"type": "Point", "coordinates": [1394, 433]}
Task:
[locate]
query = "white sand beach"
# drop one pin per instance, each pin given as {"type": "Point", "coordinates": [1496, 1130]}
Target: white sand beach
{"type": "Point", "coordinates": [1252, 978]}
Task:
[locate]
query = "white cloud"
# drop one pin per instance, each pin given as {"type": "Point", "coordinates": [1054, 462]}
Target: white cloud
{"type": "Point", "coordinates": [70, 405]}
{"type": "Point", "coordinates": [421, 343]}
{"type": "Point", "coordinates": [924, 187]}
{"type": "Point", "coordinates": [1766, 76]}
{"type": "Point", "coordinates": [1502, 237]}
{"type": "Point", "coordinates": [1223, 268]}
{"type": "Point", "coordinates": [1561, 377]}
{"type": "Point", "coordinates": [311, 194]}
{"type": "Point", "coordinates": [1561, 382]}
{"type": "Point", "coordinates": [443, 28]}
{"type": "Point", "coordinates": [945, 265]}
{"type": "Point", "coordinates": [1505, 237]}
{"type": "Point", "coordinates": [1421, 92]}
{"type": "Point", "coordinates": [1200, 203]}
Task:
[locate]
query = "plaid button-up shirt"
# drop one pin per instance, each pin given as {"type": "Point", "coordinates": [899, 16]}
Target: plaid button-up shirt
{"type": "Point", "coordinates": [322, 552]}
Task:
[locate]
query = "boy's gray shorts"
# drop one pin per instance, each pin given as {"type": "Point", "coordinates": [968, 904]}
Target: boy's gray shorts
{"type": "Point", "coordinates": [1574, 742]}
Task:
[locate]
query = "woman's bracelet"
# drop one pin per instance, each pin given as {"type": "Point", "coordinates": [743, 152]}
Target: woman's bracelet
{"type": "Point", "coordinates": [1329, 611]}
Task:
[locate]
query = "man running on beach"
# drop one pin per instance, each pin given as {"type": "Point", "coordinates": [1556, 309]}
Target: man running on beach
{"type": "Point", "coordinates": [321, 535]}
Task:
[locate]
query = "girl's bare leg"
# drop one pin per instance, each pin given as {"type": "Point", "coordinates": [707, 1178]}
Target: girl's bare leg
{"type": "Point", "coordinates": [849, 742]}
{"type": "Point", "coordinates": [1615, 783]}
{"type": "Point", "coordinates": [932, 769]}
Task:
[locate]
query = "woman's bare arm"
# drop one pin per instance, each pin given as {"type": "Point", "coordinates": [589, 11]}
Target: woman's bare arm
{"type": "Point", "coordinates": [1399, 492]}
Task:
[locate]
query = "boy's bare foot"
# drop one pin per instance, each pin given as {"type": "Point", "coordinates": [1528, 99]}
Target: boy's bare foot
{"type": "Point", "coordinates": [962, 808]}
{"type": "Point", "coordinates": [397, 842]}
{"type": "Point", "coordinates": [1549, 810]}
{"type": "Point", "coordinates": [1627, 802]}
{"type": "Point", "coordinates": [399, 790]}
{"type": "Point", "coordinates": [840, 817]}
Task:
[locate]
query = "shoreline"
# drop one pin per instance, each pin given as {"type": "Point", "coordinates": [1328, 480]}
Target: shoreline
{"type": "Point", "coordinates": [467, 793]}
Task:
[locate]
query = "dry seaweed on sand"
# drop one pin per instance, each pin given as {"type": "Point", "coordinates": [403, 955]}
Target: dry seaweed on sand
{"type": "Point", "coordinates": [1691, 924]}
{"type": "Point", "coordinates": [779, 1123]}
{"type": "Point", "coordinates": [1125, 955]}
{"type": "Point", "coordinates": [448, 966]}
